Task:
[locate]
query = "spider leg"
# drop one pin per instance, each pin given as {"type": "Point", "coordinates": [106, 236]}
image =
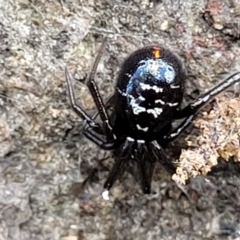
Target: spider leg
{"type": "Point", "coordinates": [162, 158]}
{"type": "Point", "coordinates": [118, 166]}
{"type": "Point", "coordinates": [90, 133]}
{"type": "Point", "coordinates": [114, 173]}
{"type": "Point", "coordinates": [146, 176]}
{"type": "Point", "coordinates": [79, 110]}
{"type": "Point", "coordinates": [146, 165]}
{"type": "Point", "coordinates": [179, 129]}
{"type": "Point", "coordinates": [93, 88]}
{"type": "Point", "coordinates": [147, 156]}
{"type": "Point", "coordinates": [190, 111]}
{"type": "Point", "coordinates": [92, 127]}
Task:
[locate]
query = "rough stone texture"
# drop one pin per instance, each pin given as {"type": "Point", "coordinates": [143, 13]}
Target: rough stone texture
{"type": "Point", "coordinates": [216, 136]}
{"type": "Point", "coordinates": [45, 159]}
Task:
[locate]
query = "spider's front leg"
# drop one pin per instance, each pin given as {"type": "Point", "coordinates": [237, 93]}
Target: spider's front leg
{"type": "Point", "coordinates": [93, 88]}
{"type": "Point", "coordinates": [90, 133]}
{"type": "Point", "coordinates": [92, 128]}
{"type": "Point", "coordinates": [190, 111]}
{"type": "Point", "coordinates": [78, 109]}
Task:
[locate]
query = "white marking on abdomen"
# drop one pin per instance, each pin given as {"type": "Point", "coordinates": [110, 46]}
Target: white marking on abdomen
{"type": "Point", "coordinates": [128, 75]}
{"type": "Point", "coordinates": [142, 129]}
{"type": "Point", "coordinates": [136, 108]}
{"type": "Point", "coordinates": [160, 101]}
{"type": "Point", "coordinates": [172, 104]}
{"type": "Point", "coordinates": [130, 139]}
{"type": "Point", "coordinates": [174, 86]}
{"type": "Point", "coordinates": [121, 92]}
{"type": "Point", "coordinates": [155, 112]}
{"type": "Point", "coordinates": [145, 86]}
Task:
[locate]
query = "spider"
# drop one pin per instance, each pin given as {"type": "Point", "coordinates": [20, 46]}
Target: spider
{"type": "Point", "coordinates": [147, 99]}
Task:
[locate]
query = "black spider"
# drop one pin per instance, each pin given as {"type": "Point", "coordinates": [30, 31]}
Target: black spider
{"type": "Point", "coordinates": [147, 100]}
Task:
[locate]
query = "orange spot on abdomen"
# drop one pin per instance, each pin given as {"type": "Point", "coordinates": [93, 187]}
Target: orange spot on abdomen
{"type": "Point", "coordinates": [156, 52]}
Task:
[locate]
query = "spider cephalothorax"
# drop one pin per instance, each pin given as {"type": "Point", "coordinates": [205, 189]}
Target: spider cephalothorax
{"type": "Point", "coordinates": [147, 99]}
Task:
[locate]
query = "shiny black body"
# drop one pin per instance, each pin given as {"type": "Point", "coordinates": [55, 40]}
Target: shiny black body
{"type": "Point", "coordinates": [140, 93]}
{"type": "Point", "coordinates": [148, 96]}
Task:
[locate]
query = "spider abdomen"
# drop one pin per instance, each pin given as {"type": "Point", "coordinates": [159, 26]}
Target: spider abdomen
{"type": "Point", "coordinates": [149, 90]}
